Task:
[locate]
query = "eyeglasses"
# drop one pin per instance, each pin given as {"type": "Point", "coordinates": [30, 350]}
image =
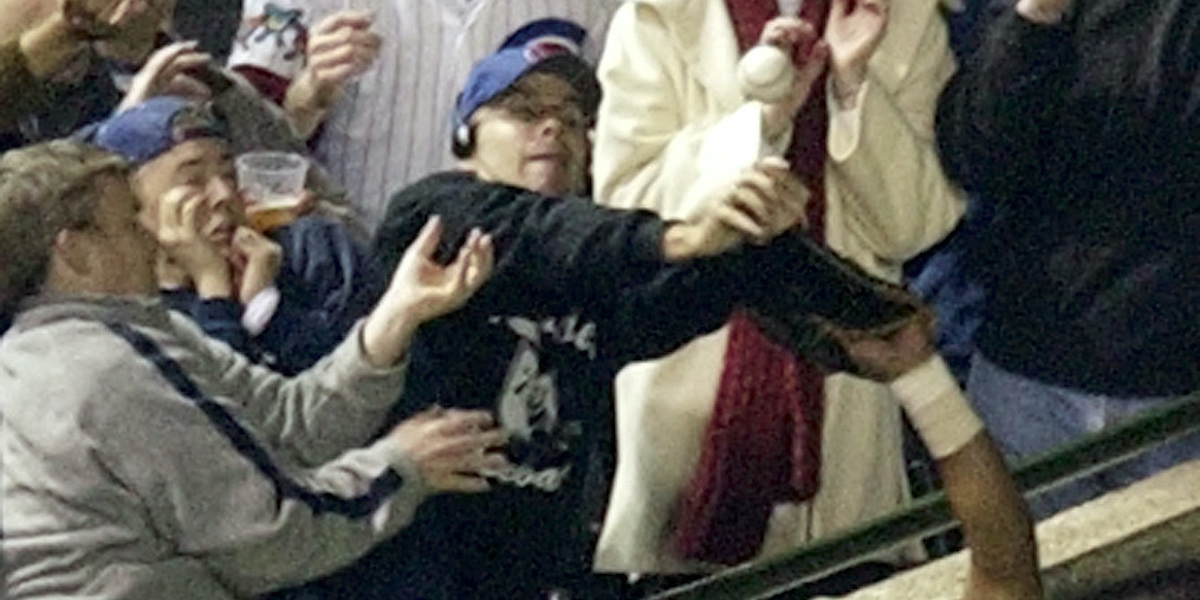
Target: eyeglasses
{"type": "Point", "coordinates": [531, 110]}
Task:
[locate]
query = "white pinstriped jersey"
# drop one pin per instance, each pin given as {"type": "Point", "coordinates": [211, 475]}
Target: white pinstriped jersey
{"type": "Point", "coordinates": [393, 125]}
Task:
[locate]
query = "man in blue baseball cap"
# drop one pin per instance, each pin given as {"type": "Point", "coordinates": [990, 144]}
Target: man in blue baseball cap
{"type": "Point", "coordinates": [285, 298]}
{"type": "Point", "coordinates": [524, 112]}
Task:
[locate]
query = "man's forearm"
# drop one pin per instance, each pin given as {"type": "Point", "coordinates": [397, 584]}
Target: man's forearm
{"type": "Point", "coordinates": [995, 521]}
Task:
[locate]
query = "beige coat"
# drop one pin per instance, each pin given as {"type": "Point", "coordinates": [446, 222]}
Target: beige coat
{"type": "Point", "coordinates": [674, 130]}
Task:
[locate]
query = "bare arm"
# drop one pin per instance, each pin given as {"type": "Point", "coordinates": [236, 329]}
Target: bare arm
{"type": "Point", "coordinates": [996, 523]}
{"type": "Point", "coordinates": [995, 519]}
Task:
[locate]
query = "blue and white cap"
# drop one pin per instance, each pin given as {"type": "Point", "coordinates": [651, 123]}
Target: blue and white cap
{"type": "Point", "coordinates": [546, 45]}
{"type": "Point", "coordinates": [149, 129]}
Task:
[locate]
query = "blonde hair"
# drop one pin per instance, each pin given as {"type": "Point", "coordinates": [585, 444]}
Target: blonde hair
{"type": "Point", "coordinates": [44, 189]}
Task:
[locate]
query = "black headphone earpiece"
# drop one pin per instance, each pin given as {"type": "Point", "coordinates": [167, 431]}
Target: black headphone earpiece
{"type": "Point", "coordinates": [464, 141]}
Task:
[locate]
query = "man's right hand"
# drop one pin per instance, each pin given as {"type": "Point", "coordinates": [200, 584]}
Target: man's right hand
{"type": "Point", "coordinates": [180, 217]}
{"type": "Point", "coordinates": [451, 448]}
{"type": "Point", "coordinates": [764, 202]}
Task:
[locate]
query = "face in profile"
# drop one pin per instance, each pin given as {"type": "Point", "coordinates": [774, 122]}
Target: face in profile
{"type": "Point", "coordinates": [533, 136]}
{"type": "Point", "coordinates": [204, 164]}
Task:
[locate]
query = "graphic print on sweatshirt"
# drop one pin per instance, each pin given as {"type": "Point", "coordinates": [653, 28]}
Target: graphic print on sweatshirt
{"type": "Point", "coordinates": [542, 444]}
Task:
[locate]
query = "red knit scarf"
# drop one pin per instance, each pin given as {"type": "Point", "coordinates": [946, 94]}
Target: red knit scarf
{"type": "Point", "coordinates": [763, 443]}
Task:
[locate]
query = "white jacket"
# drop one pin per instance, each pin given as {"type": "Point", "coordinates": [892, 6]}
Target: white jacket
{"type": "Point", "coordinates": [674, 130]}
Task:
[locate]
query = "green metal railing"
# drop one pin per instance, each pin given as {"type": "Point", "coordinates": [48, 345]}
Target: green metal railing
{"type": "Point", "coordinates": [931, 515]}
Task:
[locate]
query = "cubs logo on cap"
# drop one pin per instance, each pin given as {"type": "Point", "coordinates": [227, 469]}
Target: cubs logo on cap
{"type": "Point", "coordinates": [545, 45]}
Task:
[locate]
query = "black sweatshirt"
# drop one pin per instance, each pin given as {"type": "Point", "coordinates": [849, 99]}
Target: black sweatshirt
{"type": "Point", "coordinates": [577, 292]}
{"type": "Point", "coordinates": [1086, 136]}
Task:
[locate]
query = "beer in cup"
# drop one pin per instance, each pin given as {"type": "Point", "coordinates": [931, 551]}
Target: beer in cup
{"type": "Point", "coordinates": [272, 186]}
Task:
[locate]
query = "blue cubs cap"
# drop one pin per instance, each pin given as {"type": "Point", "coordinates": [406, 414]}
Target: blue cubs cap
{"type": "Point", "coordinates": [153, 127]}
{"type": "Point", "coordinates": [546, 45]}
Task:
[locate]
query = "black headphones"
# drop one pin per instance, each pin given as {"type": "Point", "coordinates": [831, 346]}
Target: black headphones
{"type": "Point", "coordinates": [463, 141]}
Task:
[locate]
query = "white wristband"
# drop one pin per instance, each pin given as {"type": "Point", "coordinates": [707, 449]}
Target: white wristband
{"type": "Point", "coordinates": [259, 310]}
{"type": "Point", "coordinates": [937, 407]}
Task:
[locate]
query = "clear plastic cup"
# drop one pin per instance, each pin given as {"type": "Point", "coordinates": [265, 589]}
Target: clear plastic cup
{"type": "Point", "coordinates": [272, 186]}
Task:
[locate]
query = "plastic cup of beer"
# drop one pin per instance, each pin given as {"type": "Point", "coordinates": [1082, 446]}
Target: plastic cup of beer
{"type": "Point", "coordinates": [272, 186]}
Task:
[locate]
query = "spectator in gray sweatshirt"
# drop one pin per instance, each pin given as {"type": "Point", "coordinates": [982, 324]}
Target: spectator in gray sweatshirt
{"type": "Point", "coordinates": [145, 460]}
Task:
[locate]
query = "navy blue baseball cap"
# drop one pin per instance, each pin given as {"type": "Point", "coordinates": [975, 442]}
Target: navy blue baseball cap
{"type": "Point", "coordinates": [543, 46]}
{"type": "Point", "coordinates": [153, 127]}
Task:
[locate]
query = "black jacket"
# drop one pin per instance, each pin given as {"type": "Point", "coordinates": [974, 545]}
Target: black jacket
{"type": "Point", "coordinates": [1086, 135]}
{"type": "Point", "coordinates": [578, 291]}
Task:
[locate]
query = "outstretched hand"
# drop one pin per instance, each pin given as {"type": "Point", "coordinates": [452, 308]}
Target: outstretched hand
{"type": "Point", "coordinates": [452, 448]}
{"type": "Point", "coordinates": [422, 290]}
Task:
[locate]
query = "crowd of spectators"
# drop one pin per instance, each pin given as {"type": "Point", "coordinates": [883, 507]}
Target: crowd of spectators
{"type": "Point", "coordinates": [567, 309]}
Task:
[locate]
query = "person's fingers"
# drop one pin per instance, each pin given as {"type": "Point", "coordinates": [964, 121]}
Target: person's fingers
{"type": "Point", "coordinates": [352, 19]}
{"type": "Point", "coordinates": [455, 273]}
{"type": "Point", "coordinates": [187, 87]}
{"type": "Point", "coordinates": [426, 242]}
{"type": "Point", "coordinates": [331, 58]}
{"type": "Point", "coordinates": [477, 265]}
{"type": "Point", "coordinates": [458, 420]}
{"type": "Point", "coordinates": [170, 206]}
{"type": "Point", "coordinates": [730, 216]}
{"type": "Point", "coordinates": [786, 31]}
{"type": "Point", "coordinates": [163, 57]}
{"type": "Point", "coordinates": [188, 214]}
{"type": "Point", "coordinates": [466, 255]}
{"type": "Point", "coordinates": [792, 193]}
{"type": "Point", "coordinates": [493, 438]}
{"type": "Point", "coordinates": [494, 461]}
{"type": "Point", "coordinates": [754, 196]}
{"type": "Point", "coordinates": [187, 61]}
{"type": "Point", "coordinates": [482, 262]}
{"type": "Point", "coordinates": [357, 39]}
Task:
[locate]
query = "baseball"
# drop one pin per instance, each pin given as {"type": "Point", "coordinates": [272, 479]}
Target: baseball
{"type": "Point", "coordinates": [766, 74]}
